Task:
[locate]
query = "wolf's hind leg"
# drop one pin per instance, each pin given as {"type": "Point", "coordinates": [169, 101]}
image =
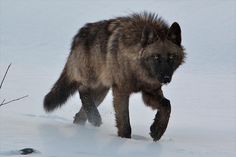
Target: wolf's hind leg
{"type": "Point", "coordinates": [89, 107]}
{"type": "Point", "coordinates": [97, 96]}
{"type": "Point", "coordinates": [80, 117]}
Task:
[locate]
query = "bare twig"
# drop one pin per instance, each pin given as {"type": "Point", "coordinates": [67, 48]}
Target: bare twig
{"type": "Point", "coordinates": [4, 103]}
{"type": "Point", "coordinates": [5, 76]}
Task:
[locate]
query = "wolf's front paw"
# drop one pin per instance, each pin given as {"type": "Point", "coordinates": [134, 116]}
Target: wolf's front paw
{"type": "Point", "coordinates": [160, 124]}
{"type": "Point", "coordinates": [125, 132]}
{"type": "Point", "coordinates": [157, 130]}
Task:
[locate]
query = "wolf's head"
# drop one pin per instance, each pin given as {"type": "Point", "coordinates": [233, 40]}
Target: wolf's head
{"type": "Point", "coordinates": [152, 48]}
{"type": "Point", "coordinates": [162, 56]}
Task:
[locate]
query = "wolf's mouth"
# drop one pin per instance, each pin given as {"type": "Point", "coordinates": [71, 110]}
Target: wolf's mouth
{"type": "Point", "coordinates": [165, 80]}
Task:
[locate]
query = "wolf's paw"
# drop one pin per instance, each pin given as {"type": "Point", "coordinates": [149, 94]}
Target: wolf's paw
{"type": "Point", "coordinates": [159, 125]}
{"type": "Point", "coordinates": [157, 131]}
{"type": "Point", "coordinates": [125, 133]}
{"type": "Point", "coordinates": [80, 119]}
{"type": "Point", "coordinates": [95, 119]}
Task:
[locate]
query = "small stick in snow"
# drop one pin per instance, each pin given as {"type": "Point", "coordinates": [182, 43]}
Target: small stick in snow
{"type": "Point", "coordinates": [4, 103]}
{"type": "Point", "coordinates": [5, 75]}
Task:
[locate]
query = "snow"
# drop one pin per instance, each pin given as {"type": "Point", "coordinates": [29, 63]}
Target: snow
{"type": "Point", "coordinates": [35, 36]}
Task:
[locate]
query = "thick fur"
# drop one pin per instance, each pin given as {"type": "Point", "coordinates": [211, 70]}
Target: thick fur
{"type": "Point", "coordinates": [129, 54]}
{"type": "Point", "coordinates": [60, 92]}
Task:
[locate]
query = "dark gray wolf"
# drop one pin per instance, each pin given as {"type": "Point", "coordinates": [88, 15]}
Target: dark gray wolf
{"type": "Point", "coordinates": [136, 53]}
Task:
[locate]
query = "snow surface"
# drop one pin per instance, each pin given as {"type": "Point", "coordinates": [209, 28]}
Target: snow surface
{"type": "Point", "coordinates": [35, 36]}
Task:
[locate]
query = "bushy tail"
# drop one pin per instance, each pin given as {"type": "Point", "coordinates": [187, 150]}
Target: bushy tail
{"type": "Point", "coordinates": [59, 93]}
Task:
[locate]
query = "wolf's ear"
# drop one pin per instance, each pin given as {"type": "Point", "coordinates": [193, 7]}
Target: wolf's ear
{"type": "Point", "coordinates": [174, 33]}
{"type": "Point", "coordinates": [147, 36]}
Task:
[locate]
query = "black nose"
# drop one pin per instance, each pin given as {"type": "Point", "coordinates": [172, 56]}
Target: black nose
{"type": "Point", "coordinates": [166, 79]}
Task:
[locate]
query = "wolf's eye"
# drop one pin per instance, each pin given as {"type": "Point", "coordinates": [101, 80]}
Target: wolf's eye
{"type": "Point", "coordinates": [156, 57]}
{"type": "Point", "coordinates": [171, 57]}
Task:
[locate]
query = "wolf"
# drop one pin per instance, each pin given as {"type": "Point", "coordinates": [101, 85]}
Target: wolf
{"type": "Point", "coordinates": [129, 54]}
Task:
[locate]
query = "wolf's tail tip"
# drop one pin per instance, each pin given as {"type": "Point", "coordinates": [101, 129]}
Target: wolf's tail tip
{"type": "Point", "coordinates": [47, 104]}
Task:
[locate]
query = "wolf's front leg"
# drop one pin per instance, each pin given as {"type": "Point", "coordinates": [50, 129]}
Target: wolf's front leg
{"type": "Point", "coordinates": [161, 120]}
{"type": "Point", "coordinates": [121, 106]}
{"type": "Point", "coordinates": [157, 101]}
